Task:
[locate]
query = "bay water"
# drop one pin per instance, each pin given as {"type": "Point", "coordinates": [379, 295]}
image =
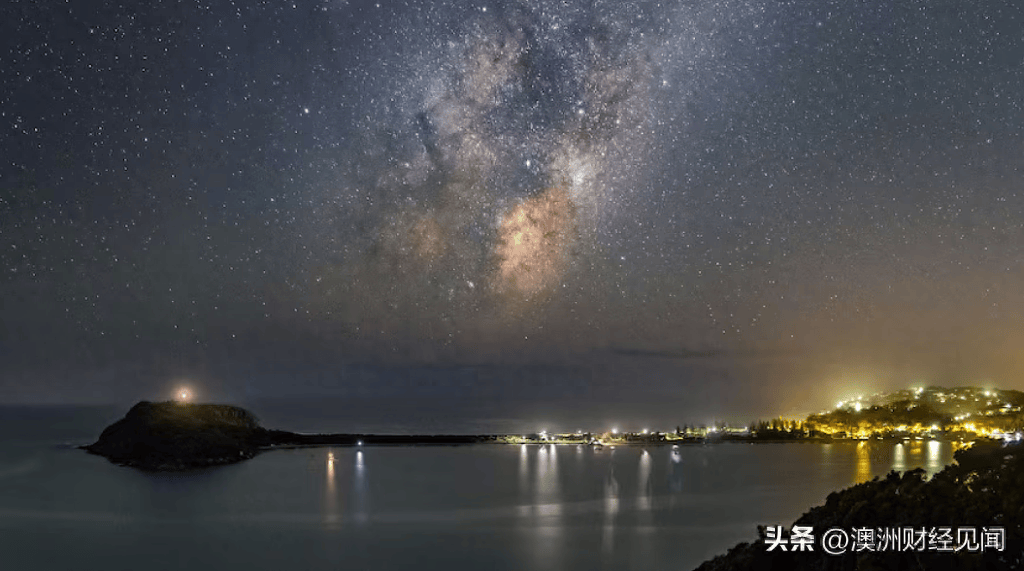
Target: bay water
{"type": "Point", "coordinates": [483, 506]}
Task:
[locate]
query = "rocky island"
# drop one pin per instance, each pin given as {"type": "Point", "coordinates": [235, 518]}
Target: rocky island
{"type": "Point", "coordinates": [164, 436]}
{"type": "Point", "coordinates": [177, 435]}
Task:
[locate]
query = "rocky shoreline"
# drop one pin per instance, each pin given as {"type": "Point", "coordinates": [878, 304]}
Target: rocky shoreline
{"type": "Point", "coordinates": [983, 488]}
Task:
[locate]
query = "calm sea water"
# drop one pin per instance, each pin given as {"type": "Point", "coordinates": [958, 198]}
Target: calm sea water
{"type": "Point", "coordinates": [470, 507]}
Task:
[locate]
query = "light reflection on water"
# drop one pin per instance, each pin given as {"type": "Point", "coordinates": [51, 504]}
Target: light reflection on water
{"type": "Point", "coordinates": [826, 463]}
{"type": "Point", "coordinates": [675, 477]}
{"type": "Point", "coordinates": [961, 445]}
{"type": "Point", "coordinates": [547, 474]}
{"type": "Point", "coordinates": [878, 458]}
{"type": "Point", "coordinates": [545, 507]}
{"type": "Point", "coordinates": [332, 518]}
{"type": "Point", "coordinates": [935, 462]}
{"type": "Point", "coordinates": [636, 486]}
{"type": "Point", "coordinates": [548, 515]}
{"type": "Point", "coordinates": [645, 503]}
{"type": "Point", "coordinates": [644, 482]}
{"type": "Point", "coordinates": [611, 506]}
{"type": "Point", "coordinates": [361, 492]}
{"type": "Point", "coordinates": [916, 452]}
{"type": "Point", "coordinates": [863, 462]}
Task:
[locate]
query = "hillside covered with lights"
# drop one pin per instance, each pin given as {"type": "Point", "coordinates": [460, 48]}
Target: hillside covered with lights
{"type": "Point", "coordinates": [959, 412]}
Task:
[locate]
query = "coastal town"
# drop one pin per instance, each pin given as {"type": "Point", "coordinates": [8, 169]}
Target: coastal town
{"type": "Point", "coordinates": [179, 434]}
{"type": "Point", "coordinates": [958, 413]}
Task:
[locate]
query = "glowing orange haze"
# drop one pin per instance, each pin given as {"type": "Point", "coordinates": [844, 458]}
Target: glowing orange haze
{"type": "Point", "coordinates": [533, 243]}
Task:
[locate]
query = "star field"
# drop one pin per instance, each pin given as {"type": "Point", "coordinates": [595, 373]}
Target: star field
{"type": "Point", "coordinates": [217, 188]}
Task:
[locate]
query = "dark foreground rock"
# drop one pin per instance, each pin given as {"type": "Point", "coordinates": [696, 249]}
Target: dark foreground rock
{"type": "Point", "coordinates": [167, 436]}
{"type": "Point", "coordinates": [983, 488]}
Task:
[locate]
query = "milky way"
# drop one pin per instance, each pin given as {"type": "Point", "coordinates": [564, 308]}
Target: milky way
{"type": "Point", "coordinates": [534, 244]}
{"type": "Point", "coordinates": [512, 145]}
{"type": "Point", "coordinates": [193, 187]}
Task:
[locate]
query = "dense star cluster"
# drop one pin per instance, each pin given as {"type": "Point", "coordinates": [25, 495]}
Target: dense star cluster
{"type": "Point", "coordinates": [816, 190]}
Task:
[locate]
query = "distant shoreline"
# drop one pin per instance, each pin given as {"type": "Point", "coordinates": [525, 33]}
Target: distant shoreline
{"type": "Point", "coordinates": [171, 436]}
{"type": "Point", "coordinates": [296, 440]}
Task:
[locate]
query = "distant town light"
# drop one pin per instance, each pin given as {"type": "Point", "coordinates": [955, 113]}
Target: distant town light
{"type": "Point", "coordinates": [359, 443]}
{"type": "Point", "coordinates": [615, 431]}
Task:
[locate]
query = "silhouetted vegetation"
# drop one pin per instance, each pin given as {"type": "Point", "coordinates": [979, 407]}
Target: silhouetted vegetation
{"type": "Point", "coordinates": [983, 488]}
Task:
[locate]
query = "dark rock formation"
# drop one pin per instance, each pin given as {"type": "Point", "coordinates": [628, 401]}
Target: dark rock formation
{"type": "Point", "coordinates": [984, 487]}
{"type": "Point", "coordinates": [179, 436]}
{"type": "Point", "coordinates": [182, 436]}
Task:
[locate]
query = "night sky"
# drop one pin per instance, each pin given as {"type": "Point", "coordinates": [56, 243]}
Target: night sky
{"type": "Point", "coordinates": [726, 207]}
